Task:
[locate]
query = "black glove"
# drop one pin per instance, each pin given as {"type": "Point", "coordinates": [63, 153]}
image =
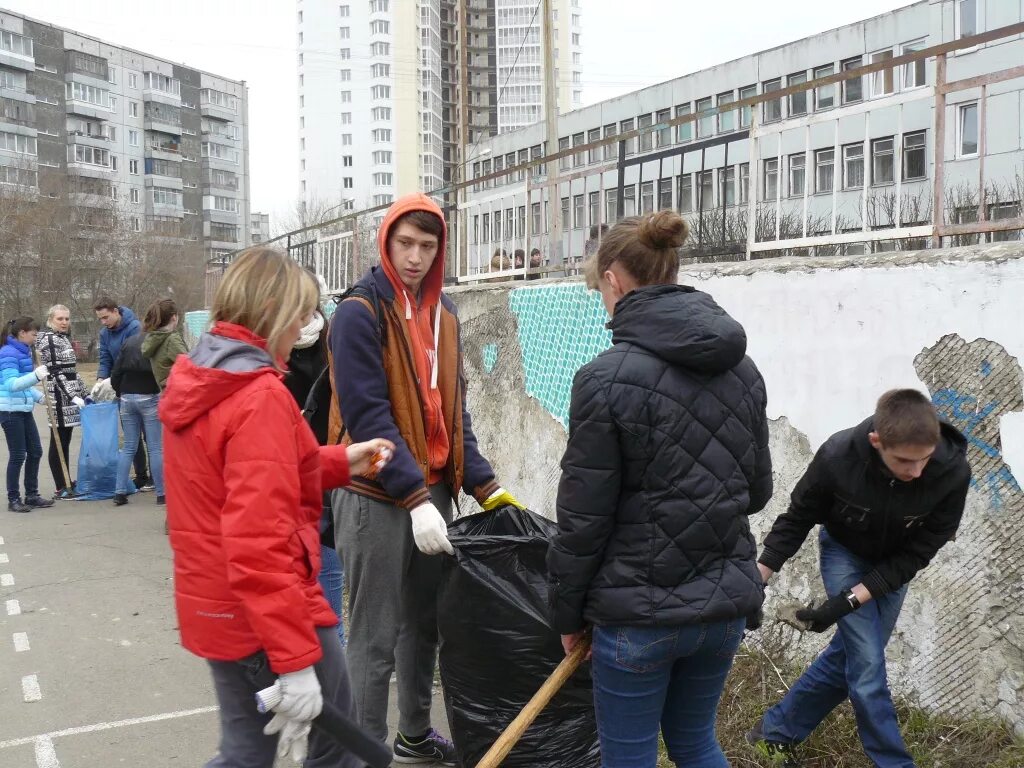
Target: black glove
{"type": "Point", "coordinates": [754, 620]}
{"type": "Point", "coordinates": [819, 619]}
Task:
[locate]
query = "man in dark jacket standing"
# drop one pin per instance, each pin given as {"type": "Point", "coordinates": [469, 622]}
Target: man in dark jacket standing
{"type": "Point", "coordinates": [119, 324]}
{"type": "Point", "coordinates": [396, 371]}
{"type": "Point", "coordinates": [888, 494]}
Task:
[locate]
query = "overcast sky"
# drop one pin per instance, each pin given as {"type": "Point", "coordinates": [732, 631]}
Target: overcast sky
{"type": "Point", "coordinates": [254, 40]}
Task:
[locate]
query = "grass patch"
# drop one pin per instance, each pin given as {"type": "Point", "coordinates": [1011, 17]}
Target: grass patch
{"type": "Point", "coordinates": [758, 680]}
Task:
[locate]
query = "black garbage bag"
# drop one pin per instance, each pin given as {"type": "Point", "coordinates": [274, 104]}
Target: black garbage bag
{"type": "Point", "coordinates": [497, 646]}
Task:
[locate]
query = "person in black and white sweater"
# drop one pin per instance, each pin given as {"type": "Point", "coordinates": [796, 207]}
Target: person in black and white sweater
{"type": "Point", "coordinates": [65, 389]}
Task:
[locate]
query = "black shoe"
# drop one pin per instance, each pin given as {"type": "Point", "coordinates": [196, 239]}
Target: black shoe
{"type": "Point", "coordinates": [432, 748]}
{"type": "Point", "coordinates": [120, 499]}
{"type": "Point", "coordinates": [161, 500]}
{"type": "Point", "coordinates": [15, 505]}
{"type": "Point", "coordinates": [36, 500]}
{"type": "Point", "coordinates": [778, 754]}
{"type": "Point", "coordinates": [145, 485]}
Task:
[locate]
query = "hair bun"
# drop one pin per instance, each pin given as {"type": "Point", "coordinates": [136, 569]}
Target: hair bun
{"type": "Point", "coordinates": [663, 229]}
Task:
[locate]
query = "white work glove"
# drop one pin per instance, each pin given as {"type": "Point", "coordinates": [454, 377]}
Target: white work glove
{"type": "Point", "coordinates": [301, 698]}
{"type": "Point", "coordinates": [41, 373]}
{"type": "Point", "coordinates": [292, 740]}
{"type": "Point", "coordinates": [78, 402]}
{"type": "Point", "coordinates": [430, 531]}
{"type": "Point", "coordinates": [102, 392]}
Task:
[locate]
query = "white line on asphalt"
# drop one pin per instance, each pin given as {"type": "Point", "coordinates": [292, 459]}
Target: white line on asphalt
{"type": "Point", "coordinates": [46, 755]}
{"type": "Point", "coordinates": [6, 579]}
{"type": "Point", "coordinates": [30, 688]}
{"type": "Point", "coordinates": [4, 558]}
{"type": "Point", "coordinates": [20, 642]}
{"type": "Point", "coordinates": [13, 607]}
{"type": "Point", "coordinates": [108, 726]}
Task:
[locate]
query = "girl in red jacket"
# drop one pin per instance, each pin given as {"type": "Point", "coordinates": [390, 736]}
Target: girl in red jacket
{"type": "Point", "coordinates": [244, 479]}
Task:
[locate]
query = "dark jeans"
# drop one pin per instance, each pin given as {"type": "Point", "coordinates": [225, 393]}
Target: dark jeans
{"type": "Point", "coordinates": [140, 464]}
{"type": "Point", "coordinates": [242, 741]}
{"type": "Point", "coordinates": [670, 679]}
{"type": "Point", "coordinates": [64, 435]}
{"type": "Point", "coordinates": [24, 448]}
{"type": "Point", "coordinates": [853, 665]}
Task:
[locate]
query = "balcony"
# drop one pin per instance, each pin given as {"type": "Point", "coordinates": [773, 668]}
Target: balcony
{"type": "Point", "coordinates": [89, 139]}
{"type": "Point", "coordinates": [17, 93]}
{"type": "Point", "coordinates": [162, 89]}
{"type": "Point", "coordinates": [164, 150]}
{"type": "Point", "coordinates": [17, 51]}
{"type": "Point", "coordinates": [89, 170]}
{"type": "Point", "coordinates": [162, 124]}
{"type": "Point", "coordinates": [91, 109]}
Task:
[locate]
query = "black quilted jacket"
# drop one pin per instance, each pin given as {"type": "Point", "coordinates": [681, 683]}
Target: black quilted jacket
{"type": "Point", "coordinates": [667, 456]}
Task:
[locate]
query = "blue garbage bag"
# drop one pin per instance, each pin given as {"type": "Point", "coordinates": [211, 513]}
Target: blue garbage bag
{"type": "Point", "coordinates": [97, 458]}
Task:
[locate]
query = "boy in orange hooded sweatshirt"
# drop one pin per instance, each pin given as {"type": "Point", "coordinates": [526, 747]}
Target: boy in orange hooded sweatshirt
{"type": "Point", "coordinates": [396, 367]}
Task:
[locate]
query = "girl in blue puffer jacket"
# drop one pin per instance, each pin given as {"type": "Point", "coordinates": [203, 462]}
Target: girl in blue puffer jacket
{"type": "Point", "coordinates": [18, 395]}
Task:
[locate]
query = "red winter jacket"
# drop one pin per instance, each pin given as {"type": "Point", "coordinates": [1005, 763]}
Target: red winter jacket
{"type": "Point", "coordinates": [244, 479]}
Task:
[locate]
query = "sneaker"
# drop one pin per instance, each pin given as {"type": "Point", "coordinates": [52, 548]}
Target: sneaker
{"type": "Point", "coordinates": [433, 748]}
{"type": "Point", "coordinates": [778, 754]}
{"type": "Point", "coordinates": [35, 500]}
{"type": "Point", "coordinates": [67, 494]}
{"type": "Point", "coordinates": [15, 505]}
{"type": "Point", "coordinates": [120, 499]}
{"type": "Point", "coordinates": [145, 486]}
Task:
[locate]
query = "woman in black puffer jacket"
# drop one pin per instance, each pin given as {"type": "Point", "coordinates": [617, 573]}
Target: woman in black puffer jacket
{"type": "Point", "coordinates": [667, 457]}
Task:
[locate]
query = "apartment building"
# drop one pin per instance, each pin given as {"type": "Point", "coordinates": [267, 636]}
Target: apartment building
{"type": "Point", "coordinates": [380, 102]}
{"type": "Point", "coordinates": [165, 141]}
{"type": "Point", "coordinates": [839, 159]}
{"type": "Point", "coordinates": [259, 227]}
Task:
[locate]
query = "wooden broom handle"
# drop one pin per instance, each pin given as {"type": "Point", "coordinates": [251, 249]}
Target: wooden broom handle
{"type": "Point", "coordinates": [511, 735]}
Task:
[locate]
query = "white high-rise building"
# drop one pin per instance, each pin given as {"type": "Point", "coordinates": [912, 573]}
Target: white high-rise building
{"type": "Point", "coordinates": [378, 88]}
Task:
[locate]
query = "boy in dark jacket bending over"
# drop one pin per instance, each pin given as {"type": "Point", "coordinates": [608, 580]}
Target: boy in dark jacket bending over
{"type": "Point", "coordinates": [888, 494]}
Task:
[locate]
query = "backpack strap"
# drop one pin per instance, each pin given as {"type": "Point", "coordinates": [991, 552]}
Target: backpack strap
{"type": "Point", "coordinates": [320, 393]}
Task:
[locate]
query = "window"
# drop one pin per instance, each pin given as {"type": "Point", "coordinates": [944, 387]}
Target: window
{"type": "Point", "coordinates": [706, 190]}
{"type": "Point", "coordinates": [771, 179]}
{"type": "Point", "coordinates": [342, 10]}
{"type": "Point", "coordinates": [824, 95]}
{"type": "Point", "coordinates": [88, 93]}
{"type": "Point", "coordinates": [346, 161]}
{"type": "Point", "coordinates": [915, 165]}
{"type": "Point", "coordinates": [625, 127]}
{"type": "Point", "coordinates": [913, 73]}
{"type": "Point", "coordinates": [112, 78]}
{"type": "Point", "coordinates": [565, 214]}
{"type": "Point", "coordinates": [564, 162]}
{"type": "Point", "coordinates": [824, 170]}
{"type": "Point", "coordinates": [381, 113]}
{"type": "Point", "coordinates": [967, 127]}
{"type": "Point", "coordinates": [647, 137]}
{"type": "Point", "coordinates": [966, 18]}
{"type": "Point", "coordinates": [133, 80]}
{"type": "Point", "coordinates": [882, 83]}
{"type": "Point", "coordinates": [346, 139]}
{"type": "Point", "coordinates": [727, 186]}
{"type": "Point", "coordinates": [705, 124]}
{"type": "Point", "coordinates": [664, 136]}
{"type": "Point", "coordinates": [853, 89]}
{"type": "Point", "coordinates": [611, 206]}
{"type": "Point", "coordinates": [578, 218]}
{"type": "Point", "coordinates": [684, 131]}
{"type": "Point", "coordinates": [593, 156]}
{"type": "Point", "coordinates": [380, 27]}
{"type": "Point", "coordinates": [998, 211]}
{"type": "Point", "coordinates": [164, 196]}
{"type": "Point", "coordinates": [629, 200]}
{"type": "Point", "coordinates": [772, 109]}
{"type": "Point", "coordinates": [134, 195]}
{"type": "Point", "coordinates": [25, 145]}
{"type": "Point", "coordinates": [744, 183]}
{"type": "Point", "coordinates": [346, 118]}
{"type": "Point", "coordinates": [580, 158]}
{"type": "Point", "coordinates": [575, 38]}
{"type": "Point", "coordinates": [380, 70]}
{"type": "Point", "coordinates": [726, 120]}
{"type": "Point", "coordinates": [686, 193]}
{"type": "Point", "coordinates": [646, 197]}
{"type": "Point", "coordinates": [378, 6]}
{"type": "Point", "coordinates": [797, 174]}
{"type": "Point", "coordinates": [345, 75]}
{"type": "Point", "coordinates": [747, 113]}
{"type": "Point", "coordinates": [536, 220]}
{"type": "Point", "coordinates": [853, 166]}
{"type": "Point", "coordinates": [611, 151]}
{"type": "Point", "coordinates": [133, 167]}
{"type": "Point", "coordinates": [380, 49]}
{"type": "Point", "coordinates": [380, 135]}
{"type": "Point", "coordinates": [664, 194]}
{"type": "Point", "coordinates": [345, 54]}
{"type": "Point", "coordinates": [882, 171]}
{"type": "Point", "coordinates": [80, 154]}
{"type": "Point", "coordinates": [382, 157]}
{"type": "Point", "coordinates": [383, 179]}
{"type": "Point", "coordinates": [15, 43]}
{"type": "Point", "coordinates": [163, 83]}
{"type": "Point", "coordinates": [380, 92]}
{"type": "Point", "coordinates": [218, 99]}
{"type": "Point", "coordinates": [594, 207]}
{"type": "Point", "coordinates": [133, 138]}
{"type": "Point", "coordinates": [798, 101]}
{"type": "Point", "coordinates": [344, 33]}
{"type": "Point", "coordinates": [346, 97]}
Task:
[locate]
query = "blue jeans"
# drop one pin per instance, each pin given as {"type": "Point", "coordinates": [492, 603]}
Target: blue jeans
{"type": "Point", "coordinates": [667, 678]}
{"type": "Point", "coordinates": [853, 665]}
{"type": "Point", "coordinates": [332, 581]}
{"type": "Point", "coordinates": [138, 414]}
{"type": "Point", "coordinates": [23, 448]}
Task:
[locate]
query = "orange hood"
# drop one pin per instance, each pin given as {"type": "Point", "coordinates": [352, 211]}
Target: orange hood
{"type": "Point", "coordinates": [430, 290]}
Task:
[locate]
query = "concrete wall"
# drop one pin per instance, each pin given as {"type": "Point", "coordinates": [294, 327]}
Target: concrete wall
{"type": "Point", "coordinates": [829, 337]}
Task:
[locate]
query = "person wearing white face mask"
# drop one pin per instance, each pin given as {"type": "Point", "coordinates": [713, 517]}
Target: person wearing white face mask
{"type": "Point", "coordinates": [66, 391]}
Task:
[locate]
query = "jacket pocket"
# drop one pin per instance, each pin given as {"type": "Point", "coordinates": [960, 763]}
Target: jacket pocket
{"type": "Point", "coordinates": [849, 515]}
{"type": "Point", "coordinates": [307, 562]}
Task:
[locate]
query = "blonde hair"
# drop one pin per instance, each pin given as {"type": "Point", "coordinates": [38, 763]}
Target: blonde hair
{"type": "Point", "coordinates": [55, 309]}
{"type": "Point", "coordinates": [264, 291]}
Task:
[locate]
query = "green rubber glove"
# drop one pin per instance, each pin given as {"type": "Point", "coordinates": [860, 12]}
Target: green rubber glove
{"type": "Point", "coordinates": [501, 498]}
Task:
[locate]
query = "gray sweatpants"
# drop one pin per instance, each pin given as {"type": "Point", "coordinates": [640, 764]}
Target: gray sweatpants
{"type": "Point", "coordinates": [242, 741]}
{"type": "Point", "coordinates": [392, 625]}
